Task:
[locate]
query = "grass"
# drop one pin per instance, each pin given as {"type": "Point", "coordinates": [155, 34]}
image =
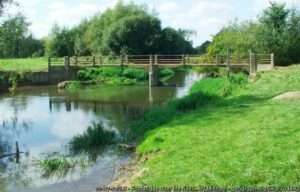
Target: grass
{"type": "Point", "coordinates": [240, 139]}
{"type": "Point", "coordinates": [24, 65]}
{"type": "Point", "coordinates": [94, 137]}
{"type": "Point", "coordinates": [60, 165]}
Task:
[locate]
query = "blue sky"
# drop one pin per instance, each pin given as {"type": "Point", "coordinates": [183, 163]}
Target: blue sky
{"type": "Point", "coordinates": [205, 17]}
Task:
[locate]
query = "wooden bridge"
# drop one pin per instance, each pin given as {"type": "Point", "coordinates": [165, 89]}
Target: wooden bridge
{"type": "Point", "coordinates": [253, 62]}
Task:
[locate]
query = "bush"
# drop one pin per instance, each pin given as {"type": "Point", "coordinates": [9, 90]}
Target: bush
{"type": "Point", "coordinates": [138, 74]}
{"type": "Point", "coordinates": [221, 86]}
{"type": "Point", "coordinates": [192, 102]}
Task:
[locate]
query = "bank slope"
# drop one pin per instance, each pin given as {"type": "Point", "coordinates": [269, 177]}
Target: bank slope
{"type": "Point", "coordinates": [245, 140]}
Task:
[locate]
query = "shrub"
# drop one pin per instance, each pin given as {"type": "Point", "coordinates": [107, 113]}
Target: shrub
{"type": "Point", "coordinates": [138, 74]}
{"type": "Point", "coordinates": [220, 86]}
{"type": "Point", "coordinates": [192, 101]}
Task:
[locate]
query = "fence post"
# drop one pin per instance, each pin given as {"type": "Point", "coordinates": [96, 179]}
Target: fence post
{"type": "Point", "coordinates": [94, 61]}
{"type": "Point", "coordinates": [75, 60]}
{"type": "Point", "coordinates": [228, 61]}
{"type": "Point", "coordinates": [253, 64]}
{"type": "Point", "coordinates": [150, 70]}
{"type": "Point", "coordinates": [122, 61]}
{"type": "Point", "coordinates": [100, 60]}
{"type": "Point", "coordinates": [67, 66]}
{"type": "Point", "coordinates": [17, 153]}
{"type": "Point", "coordinates": [272, 61]}
{"type": "Point", "coordinates": [183, 60]}
{"type": "Point", "coordinates": [49, 64]}
{"type": "Point", "coordinates": [217, 60]}
{"type": "Point", "coordinates": [126, 59]}
{"type": "Point", "coordinates": [49, 69]}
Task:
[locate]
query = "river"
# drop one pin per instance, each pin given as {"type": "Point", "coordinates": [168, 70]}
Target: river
{"type": "Point", "coordinates": [43, 120]}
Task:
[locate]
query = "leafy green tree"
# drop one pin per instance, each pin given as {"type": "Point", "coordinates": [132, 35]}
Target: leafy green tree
{"type": "Point", "coordinates": [101, 25]}
{"type": "Point", "coordinates": [60, 42]}
{"type": "Point", "coordinates": [133, 35]}
{"type": "Point", "coordinates": [16, 40]}
{"type": "Point", "coordinates": [80, 45]}
{"type": "Point", "coordinates": [174, 42]}
{"type": "Point", "coordinates": [239, 38]}
{"type": "Point", "coordinates": [274, 34]}
{"type": "Point", "coordinates": [203, 48]}
{"type": "Point", "coordinates": [276, 31]}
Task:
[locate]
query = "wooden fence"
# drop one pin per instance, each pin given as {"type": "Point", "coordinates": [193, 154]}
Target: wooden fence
{"type": "Point", "coordinates": [253, 62]}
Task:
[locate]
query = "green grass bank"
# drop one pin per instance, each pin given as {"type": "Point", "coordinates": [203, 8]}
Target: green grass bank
{"type": "Point", "coordinates": [24, 65]}
{"type": "Point", "coordinates": [227, 132]}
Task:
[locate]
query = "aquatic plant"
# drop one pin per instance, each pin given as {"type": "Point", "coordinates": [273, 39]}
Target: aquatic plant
{"type": "Point", "coordinates": [58, 166]}
{"type": "Point", "coordinates": [94, 137]}
{"type": "Point", "coordinates": [61, 165]}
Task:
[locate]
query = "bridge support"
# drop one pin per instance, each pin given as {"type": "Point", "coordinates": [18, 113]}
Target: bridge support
{"type": "Point", "coordinates": [153, 72]}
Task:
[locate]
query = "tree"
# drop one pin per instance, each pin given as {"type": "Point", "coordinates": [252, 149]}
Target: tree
{"type": "Point", "coordinates": [126, 28]}
{"type": "Point", "coordinates": [203, 48]}
{"type": "Point", "coordinates": [274, 34]}
{"type": "Point", "coordinates": [133, 35]}
{"type": "Point", "coordinates": [60, 42]}
{"type": "Point", "coordinates": [102, 24]}
{"type": "Point", "coordinates": [276, 31]}
{"type": "Point", "coordinates": [174, 42]}
{"type": "Point", "coordinates": [16, 40]}
{"type": "Point", "coordinates": [240, 38]}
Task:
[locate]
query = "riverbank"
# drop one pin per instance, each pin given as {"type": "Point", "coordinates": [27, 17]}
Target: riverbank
{"type": "Point", "coordinates": [238, 137]}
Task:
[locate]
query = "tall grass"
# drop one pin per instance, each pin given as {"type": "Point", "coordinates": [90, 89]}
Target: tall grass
{"type": "Point", "coordinates": [94, 137]}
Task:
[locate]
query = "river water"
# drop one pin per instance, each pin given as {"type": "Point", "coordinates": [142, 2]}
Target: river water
{"type": "Point", "coordinates": [43, 120]}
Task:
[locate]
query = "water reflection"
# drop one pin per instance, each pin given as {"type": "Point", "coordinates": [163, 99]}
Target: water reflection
{"type": "Point", "coordinates": [44, 120]}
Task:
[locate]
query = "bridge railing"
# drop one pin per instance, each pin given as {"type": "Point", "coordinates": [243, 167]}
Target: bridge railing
{"type": "Point", "coordinates": [251, 61]}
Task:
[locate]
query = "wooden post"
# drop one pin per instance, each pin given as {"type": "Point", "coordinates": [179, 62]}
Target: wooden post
{"type": "Point", "coordinates": [49, 64]}
{"type": "Point", "coordinates": [150, 79]}
{"type": "Point", "coordinates": [228, 61]}
{"type": "Point", "coordinates": [49, 69]}
{"type": "Point", "coordinates": [153, 72]}
{"type": "Point", "coordinates": [67, 66]}
{"type": "Point", "coordinates": [126, 59]}
{"type": "Point", "coordinates": [217, 60]}
{"type": "Point", "coordinates": [150, 70]}
{"type": "Point", "coordinates": [94, 61]}
{"type": "Point", "coordinates": [122, 61]}
{"type": "Point", "coordinates": [17, 153]}
{"type": "Point", "coordinates": [100, 60]}
{"type": "Point", "coordinates": [272, 61]}
{"type": "Point", "coordinates": [75, 60]}
{"type": "Point", "coordinates": [183, 60]}
{"type": "Point", "coordinates": [253, 64]}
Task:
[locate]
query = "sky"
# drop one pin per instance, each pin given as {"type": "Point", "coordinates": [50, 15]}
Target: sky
{"type": "Point", "coordinates": [205, 17]}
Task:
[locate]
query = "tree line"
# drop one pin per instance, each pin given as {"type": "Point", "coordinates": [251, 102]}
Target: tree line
{"type": "Point", "coordinates": [123, 29]}
{"type": "Point", "coordinates": [277, 30]}
{"type": "Point", "coordinates": [133, 29]}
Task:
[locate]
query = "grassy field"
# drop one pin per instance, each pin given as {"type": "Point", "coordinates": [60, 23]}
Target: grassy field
{"type": "Point", "coordinates": [24, 65]}
{"type": "Point", "coordinates": [243, 138]}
